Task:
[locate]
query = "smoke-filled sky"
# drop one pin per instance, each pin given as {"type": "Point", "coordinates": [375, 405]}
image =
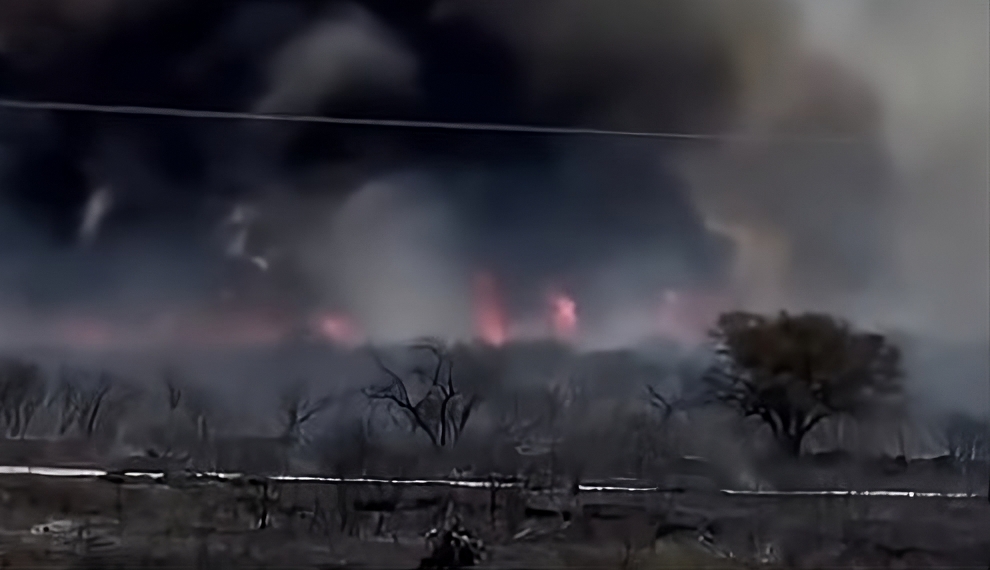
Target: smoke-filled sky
{"type": "Point", "coordinates": [183, 225]}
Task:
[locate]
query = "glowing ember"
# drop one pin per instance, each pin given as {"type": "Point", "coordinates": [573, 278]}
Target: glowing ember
{"type": "Point", "coordinates": [489, 316]}
{"type": "Point", "coordinates": [563, 315]}
{"type": "Point", "coordinates": [338, 329]}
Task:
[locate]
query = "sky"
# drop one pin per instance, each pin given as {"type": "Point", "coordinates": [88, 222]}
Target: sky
{"type": "Point", "coordinates": [862, 189]}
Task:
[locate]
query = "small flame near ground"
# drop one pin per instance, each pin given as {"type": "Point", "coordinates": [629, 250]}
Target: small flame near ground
{"type": "Point", "coordinates": [490, 321]}
{"type": "Point", "coordinates": [683, 316]}
{"type": "Point", "coordinates": [563, 315]}
{"type": "Point", "coordinates": [338, 329]}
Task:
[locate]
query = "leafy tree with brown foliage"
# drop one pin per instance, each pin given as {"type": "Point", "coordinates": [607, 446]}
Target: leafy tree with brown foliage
{"type": "Point", "coordinates": [793, 371]}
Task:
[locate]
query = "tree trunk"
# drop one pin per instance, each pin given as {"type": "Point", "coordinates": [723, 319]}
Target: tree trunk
{"type": "Point", "coordinates": [791, 443]}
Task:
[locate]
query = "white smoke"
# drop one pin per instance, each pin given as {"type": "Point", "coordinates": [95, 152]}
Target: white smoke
{"type": "Point", "coordinates": [389, 256]}
{"type": "Point", "coordinates": [893, 229]}
{"type": "Point", "coordinates": [930, 65]}
{"type": "Point", "coordinates": [96, 209]}
{"type": "Point", "coordinates": [337, 56]}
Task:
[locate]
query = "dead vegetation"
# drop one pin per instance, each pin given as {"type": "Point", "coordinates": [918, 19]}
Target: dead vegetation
{"type": "Point", "coordinates": [615, 417]}
{"type": "Point", "coordinates": [303, 524]}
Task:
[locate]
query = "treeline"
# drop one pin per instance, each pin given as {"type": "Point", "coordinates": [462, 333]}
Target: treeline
{"type": "Point", "coordinates": [532, 406]}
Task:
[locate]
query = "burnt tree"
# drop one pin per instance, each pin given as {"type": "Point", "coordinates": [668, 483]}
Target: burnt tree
{"type": "Point", "coordinates": [297, 409]}
{"type": "Point", "coordinates": [22, 393]}
{"type": "Point", "coordinates": [967, 438]}
{"type": "Point", "coordinates": [441, 411]}
{"type": "Point", "coordinates": [80, 400]}
{"type": "Point", "coordinates": [793, 371]}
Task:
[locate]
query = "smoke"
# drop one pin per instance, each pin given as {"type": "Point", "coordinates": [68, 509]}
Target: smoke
{"type": "Point", "coordinates": [849, 225]}
{"type": "Point", "coordinates": [929, 65]}
{"type": "Point", "coordinates": [916, 196]}
{"type": "Point", "coordinates": [391, 227]}
{"type": "Point", "coordinates": [34, 30]}
{"type": "Point", "coordinates": [155, 246]}
{"type": "Point", "coordinates": [388, 258]}
{"type": "Point", "coordinates": [680, 65]}
{"type": "Point", "coordinates": [890, 230]}
{"type": "Point", "coordinates": [339, 56]}
{"type": "Point", "coordinates": [97, 207]}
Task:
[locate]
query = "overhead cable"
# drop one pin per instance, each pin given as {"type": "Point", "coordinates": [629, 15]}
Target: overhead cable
{"type": "Point", "coordinates": [25, 105]}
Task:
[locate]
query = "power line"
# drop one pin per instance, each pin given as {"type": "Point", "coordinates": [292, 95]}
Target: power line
{"type": "Point", "coordinates": [17, 104]}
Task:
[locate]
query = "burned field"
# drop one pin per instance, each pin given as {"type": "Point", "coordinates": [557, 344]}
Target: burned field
{"type": "Point", "coordinates": [128, 522]}
{"type": "Point", "coordinates": [766, 454]}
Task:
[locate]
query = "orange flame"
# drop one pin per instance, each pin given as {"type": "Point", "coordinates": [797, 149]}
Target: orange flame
{"type": "Point", "coordinates": [489, 315]}
{"type": "Point", "coordinates": [338, 329]}
{"type": "Point", "coordinates": [563, 315]}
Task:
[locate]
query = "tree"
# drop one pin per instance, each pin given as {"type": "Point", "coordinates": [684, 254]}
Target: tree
{"type": "Point", "coordinates": [80, 399]}
{"type": "Point", "coordinates": [442, 411]}
{"type": "Point", "coordinates": [793, 371]}
{"type": "Point", "coordinates": [297, 410]}
{"type": "Point", "coordinates": [187, 424]}
{"type": "Point", "coordinates": [665, 405]}
{"type": "Point", "coordinates": [22, 392]}
{"type": "Point", "coordinates": [967, 438]}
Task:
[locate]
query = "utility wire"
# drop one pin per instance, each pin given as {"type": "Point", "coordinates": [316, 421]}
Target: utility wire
{"type": "Point", "coordinates": [23, 105]}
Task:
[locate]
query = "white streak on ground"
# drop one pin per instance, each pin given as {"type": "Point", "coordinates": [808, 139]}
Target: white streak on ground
{"type": "Point", "coordinates": [470, 484]}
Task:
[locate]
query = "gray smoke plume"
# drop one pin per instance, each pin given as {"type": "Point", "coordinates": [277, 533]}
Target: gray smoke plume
{"type": "Point", "coordinates": [343, 54]}
{"type": "Point", "coordinates": [388, 258]}
{"type": "Point", "coordinates": [907, 79]}
{"type": "Point", "coordinates": [891, 230]}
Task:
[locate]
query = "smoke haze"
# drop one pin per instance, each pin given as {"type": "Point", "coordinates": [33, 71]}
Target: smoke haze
{"type": "Point", "coordinates": [125, 219]}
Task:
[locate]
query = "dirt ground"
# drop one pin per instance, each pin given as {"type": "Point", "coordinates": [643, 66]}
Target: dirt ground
{"type": "Point", "coordinates": [98, 523]}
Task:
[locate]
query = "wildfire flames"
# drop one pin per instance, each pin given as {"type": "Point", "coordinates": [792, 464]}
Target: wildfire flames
{"type": "Point", "coordinates": [563, 316]}
{"type": "Point", "coordinates": [489, 315]}
{"type": "Point", "coordinates": [338, 329]}
{"type": "Point", "coordinates": [682, 316]}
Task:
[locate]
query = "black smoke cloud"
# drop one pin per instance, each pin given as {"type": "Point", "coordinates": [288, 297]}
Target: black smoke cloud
{"type": "Point", "coordinates": [718, 66]}
{"type": "Point", "coordinates": [536, 209]}
{"type": "Point", "coordinates": [785, 225]}
{"type": "Point", "coordinates": [890, 231]}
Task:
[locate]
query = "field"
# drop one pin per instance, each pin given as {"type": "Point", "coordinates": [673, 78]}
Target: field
{"type": "Point", "coordinates": [613, 466]}
{"type": "Point", "coordinates": [93, 522]}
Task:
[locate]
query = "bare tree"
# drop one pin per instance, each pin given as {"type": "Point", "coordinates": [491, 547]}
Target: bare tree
{"type": "Point", "coordinates": [663, 433]}
{"type": "Point", "coordinates": [80, 399]}
{"type": "Point", "coordinates": [664, 405]}
{"type": "Point", "coordinates": [967, 438]}
{"type": "Point", "coordinates": [173, 393]}
{"type": "Point", "coordinates": [793, 371]}
{"type": "Point", "coordinates": [22, 393]}
{"type": "Point", "coordinates": [442, 411]}
{"type": "Point", "coordinates": [297, 409]}
{"type": "Point", "coordinates": [173, 390]}
{"type": "Point", "coordinates": [186, 429]}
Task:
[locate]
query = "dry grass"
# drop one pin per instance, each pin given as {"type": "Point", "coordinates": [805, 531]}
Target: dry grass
{"type": "Point", "coordinates": [666, 554]}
